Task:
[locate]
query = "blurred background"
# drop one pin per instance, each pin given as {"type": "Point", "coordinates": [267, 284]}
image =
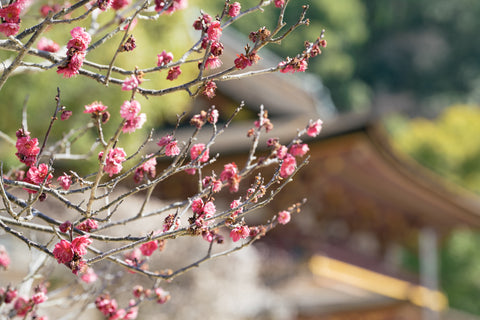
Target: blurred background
{"type": "Point", "coordinates": [390, 228]}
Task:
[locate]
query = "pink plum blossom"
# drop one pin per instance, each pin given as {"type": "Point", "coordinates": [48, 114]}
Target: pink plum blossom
{"type": "Point", "coordinates": [47, 45]}
{"type": "Point", "coordinates": [299, 149]}
{"type": "Point", "coordinates": [4, 258]}
{"type": "Point", "coordinates": [132, 125]}
{"type": "Point", "coordinates": [214, 31]}
{"type": "Point", "coordinates": [174, 6]}
{"type": "Point", "coordinates": [172, 149]}
{"type": "Point", "coordinates": [120, 4]}
{"type": "Point", "coordinates": [234, 9]}
{"type": "Point", "coordinates": [173, 73]}
{"type": "Point", "coordinates": [88, 225]}
{"type": "Point", "coordinates": [164, 58]}
{"type": "Point", "coordinates": [196, 150]}
{"type": "Point", "coordinates": [314, 128]}
{"type": "Point", "coordinates": [149, 247]}
{"type": "Point", "coordinates": [279, 3]}
{"type": "Point", "coordinates": [22, 306]}
{"type": "Point", "coordinates": [89, 276]}
{"type": "Point", "coordinates": [283, 217]}
{"type": "Point", "coordinates": [209, 209]}
{"type": "Point", "coordinates": [130, 109]}
{"type": "Point", "coordinates": [65, 181]}
{"type": "Point", "coordinates": [113, 161]}
{"type": "Point", "coordinates": [239, 232]}
{"type": "Point", "coordinates": [95, 107]}
{"type": "Point", "coordinates": [39, 174]}
{"type": "Point", "coordinates": [79, 245]}
{"type": "Point", "coordinates": [63, 251]}
{"type": "Point", "coordinates": [288, 166]}
{"type": "Point", "coordinates": [162, 295]}
{"type": "Point", "coordinates": [131, 83]}
{"type": "Point", "coordinates": [235, 204]}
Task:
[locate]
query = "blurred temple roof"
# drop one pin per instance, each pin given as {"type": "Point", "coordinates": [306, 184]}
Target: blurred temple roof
{"type": "Point", "coordinates": [363, 197]}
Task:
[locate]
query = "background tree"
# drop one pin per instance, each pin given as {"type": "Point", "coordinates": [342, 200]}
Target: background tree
{"type": "Point", "coordinates": [448, 146]}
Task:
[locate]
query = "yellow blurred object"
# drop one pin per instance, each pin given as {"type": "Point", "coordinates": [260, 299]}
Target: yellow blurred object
{"type": "Point", "coordinates": [377, 283]}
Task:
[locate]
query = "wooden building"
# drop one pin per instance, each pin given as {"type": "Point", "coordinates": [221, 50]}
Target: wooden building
{"type": "Point", "coordinates": [364, 202]}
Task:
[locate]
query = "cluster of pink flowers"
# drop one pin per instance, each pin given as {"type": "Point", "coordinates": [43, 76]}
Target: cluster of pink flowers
{"type": "Point", "coordinates": [22, 306]}
{"type": "Point", "coordinates": [203, 117]}
{"type": "Point", "coordinates": [173, 5]}
{"type": "Point", "coordinates": [10, 17]}
{"type": "Point", "coordinates": [159, 294]}
{"type": "Point", "coordinates": [165, 58]}
{"type": "Point", "coordinates": [289, 164]}
{"type": "Point", "coordinates": [76, 51]}
{"type": "Point", "coordinates": [203, 210]}
{"type": "Point", "coordinates": [246, 60]}
{"type": "Point", "coordinates": [7, 295]}
{"type": "Point", "coordinates": [27, 148]}
{"type": "Point", "coordinates": [198, 153]}
{"type": "Point", "coordinates": [293, 65]}
{"type": "Point", "coordinates": [170, 144]}
{"type": "Point", "coordinates": [137, 257]}
{"type": "Point", "coordinates": [235, 204]}
{"type": "Point", "coordinates": [211, 182]}
{"type": "Point", "coordinates": [47, 45]}
{"type": "Point", "coordinates": [134, 259]}
{"type": "Point", "coordinates": [250, 57]}
{"type": "Point", "coordinates": [264, 123]}
{"type": "Point", "coordinates": [109, 308]}
{"type": "Point", "coordinates": [202, 225]}
{"type": "Point", "coordinates": [130, 111]}
{"type": "Point", "coordinates": [113, 161]}
{"type": "Point", "coordinates": [300, 63]}
{"type": "Point", "coordinates": [297, 149]}
{"type": "Point", "coordinates": [148, 167]}
{"type": "Point", "coordinates": [230, 175]}
{"type": "Point", "coordinates": [71, 254]}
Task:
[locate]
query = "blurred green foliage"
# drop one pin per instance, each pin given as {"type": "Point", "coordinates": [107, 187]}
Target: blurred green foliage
{"type": "Point", "coordinates": [449, 146]}
{"type": "Point", "coordinates": [36, 90]}
{"type": "Point", "coordinates": [446, 145]}
{"type": "Point", "coordinates": [423, 48]}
